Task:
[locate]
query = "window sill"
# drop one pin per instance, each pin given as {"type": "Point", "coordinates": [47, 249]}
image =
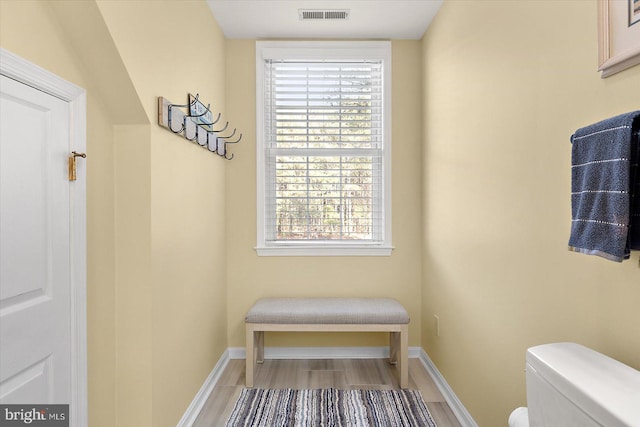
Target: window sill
{"type": "Point", "coordinates": [323, 250]}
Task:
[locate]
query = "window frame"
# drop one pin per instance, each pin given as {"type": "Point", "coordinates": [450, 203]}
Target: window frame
{"type": "Point", "coordinates": [322, 50]}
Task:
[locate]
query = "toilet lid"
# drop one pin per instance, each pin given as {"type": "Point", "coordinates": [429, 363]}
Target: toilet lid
{"type": "Point", "coordinates": [607, 390]}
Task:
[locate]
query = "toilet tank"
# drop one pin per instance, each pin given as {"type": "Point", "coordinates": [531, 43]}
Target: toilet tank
{"type": "Point", "coordinates": [570, 385]}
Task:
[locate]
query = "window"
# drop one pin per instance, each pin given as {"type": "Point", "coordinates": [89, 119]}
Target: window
{"type": "Point", "coordinates": [323, 148]}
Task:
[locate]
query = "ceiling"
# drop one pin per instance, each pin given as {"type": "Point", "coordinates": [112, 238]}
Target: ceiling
{"type": "Point", "coordinates": [368, 19]}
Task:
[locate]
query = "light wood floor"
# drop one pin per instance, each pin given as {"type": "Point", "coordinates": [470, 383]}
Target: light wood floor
{"type": "Point", "coordinates": [326, 373]}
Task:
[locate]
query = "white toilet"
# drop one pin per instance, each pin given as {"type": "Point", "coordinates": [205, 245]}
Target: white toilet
{"type": "Point", "coordinates": [569, 385]}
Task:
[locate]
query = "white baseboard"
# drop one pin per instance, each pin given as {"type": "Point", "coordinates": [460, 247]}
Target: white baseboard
{"type": "Point", "coordinates": [198, 402]}
{"type": "Point", "coordinates": [458, 409]}
{"type": "Point", "coordinates": [323, 352]}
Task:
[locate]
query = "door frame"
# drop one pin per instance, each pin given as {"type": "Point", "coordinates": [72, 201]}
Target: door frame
{"type": "Point", "coordinates": [25, 72]}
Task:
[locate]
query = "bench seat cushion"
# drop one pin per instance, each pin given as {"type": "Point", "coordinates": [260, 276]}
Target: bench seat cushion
{"type": "Point", "coordinates": [328, 311]}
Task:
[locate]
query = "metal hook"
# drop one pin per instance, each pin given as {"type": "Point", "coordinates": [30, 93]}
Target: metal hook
{"type": "Point", "coordinates": [208, 145]}
{"type": "Point", "coordinates": [217, 119]}
{"type": "Point", "coordinates": [213, 122]}
{"type": "Point", "coordinates": [195, 122]}
{"type": "Point", "coordinates": [227, 137]}
{"type": "Point", "coordinates": [195, 136]}
{"type": "Point", "coordinates": [170, 107]}
{"type": "Point", "coordinates": [223, 129]}
{"type": "Point", "coordinates": [185, 105]}
{"type": "Point", "coordinates": [221, 148]}
{"type": "Point", "coordinates": [198, 136]}
{"type": "Point", "coordinates": [205, 112]}
{"type": "Point", "coordinates": [169, 115]}
{"type": "Point", "coordinates": [234, 142]}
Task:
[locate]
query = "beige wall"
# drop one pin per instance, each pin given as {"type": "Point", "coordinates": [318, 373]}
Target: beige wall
{"type": "Point", "coordinates": [505, 85]}
{"type": "Point", "coordinates": [171, 49]}
{"type": "Point", "coordinates": [155, 202]}
{"type": "Point", "coordinates": [251, 277]}
{"type": "Point", "coordinates": [133, 302]}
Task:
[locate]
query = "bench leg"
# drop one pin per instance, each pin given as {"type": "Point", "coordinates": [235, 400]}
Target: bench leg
{"type": "Point", "coordinates": [250, 355]}
{"type": "Point", "coordinates": [259, 343]}
{"type": "Point", "coordinates": [394, 341]}
{"type": "Point", "coordinates": [403, 357]}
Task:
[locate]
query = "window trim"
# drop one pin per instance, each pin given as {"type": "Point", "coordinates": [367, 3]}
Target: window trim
{"type": "Point", "coordinates": [333, 50]}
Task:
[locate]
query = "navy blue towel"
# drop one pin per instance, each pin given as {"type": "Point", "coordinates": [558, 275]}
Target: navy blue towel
{"type": "Point", "coordinates": [604, 180]}
{"type": "Point", "coordinates": [634, 234]}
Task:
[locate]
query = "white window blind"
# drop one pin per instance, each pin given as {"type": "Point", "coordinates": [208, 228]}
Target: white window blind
{"type": "Point", "coordinates": [324, 150]}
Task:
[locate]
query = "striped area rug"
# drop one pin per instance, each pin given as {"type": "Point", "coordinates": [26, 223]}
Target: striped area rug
{"type": "Point", "coordinates": [330, 408]}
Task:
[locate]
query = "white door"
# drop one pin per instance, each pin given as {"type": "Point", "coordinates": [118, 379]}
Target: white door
{"type": "Point", "coordinates": [35, 262]}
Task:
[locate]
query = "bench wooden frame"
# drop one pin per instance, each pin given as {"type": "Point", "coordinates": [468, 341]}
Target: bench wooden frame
{"type": "Point", "coordinates": [398, 342]}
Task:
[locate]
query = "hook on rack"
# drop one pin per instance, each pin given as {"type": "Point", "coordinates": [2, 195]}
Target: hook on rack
{"type": "Point", "coordinates": [182, 122]}
{"type": "Point", "coordinates": [203, 123]}
{"type": "Point", "coordinates": [226, 125]}
{"type": "Point", "coordinates": [234, 142]}
{"type": "Point", "coordinates": [232, 133]}
{"type": "Point", "coordinates": [196, 124]}
{"type": "Point", "coordinates": [222, 148]}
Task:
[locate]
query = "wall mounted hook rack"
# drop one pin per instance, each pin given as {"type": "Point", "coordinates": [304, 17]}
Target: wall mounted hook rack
{"type": "Point", "coordinates": [194, 121]}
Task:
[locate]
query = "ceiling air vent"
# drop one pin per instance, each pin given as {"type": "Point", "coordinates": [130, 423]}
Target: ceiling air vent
{"type": "Point", "coordinates": [319, 15]}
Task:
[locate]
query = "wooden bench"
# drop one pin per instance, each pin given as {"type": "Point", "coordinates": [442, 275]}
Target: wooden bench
{"type": "Point", "coordinates": [328, 315]}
